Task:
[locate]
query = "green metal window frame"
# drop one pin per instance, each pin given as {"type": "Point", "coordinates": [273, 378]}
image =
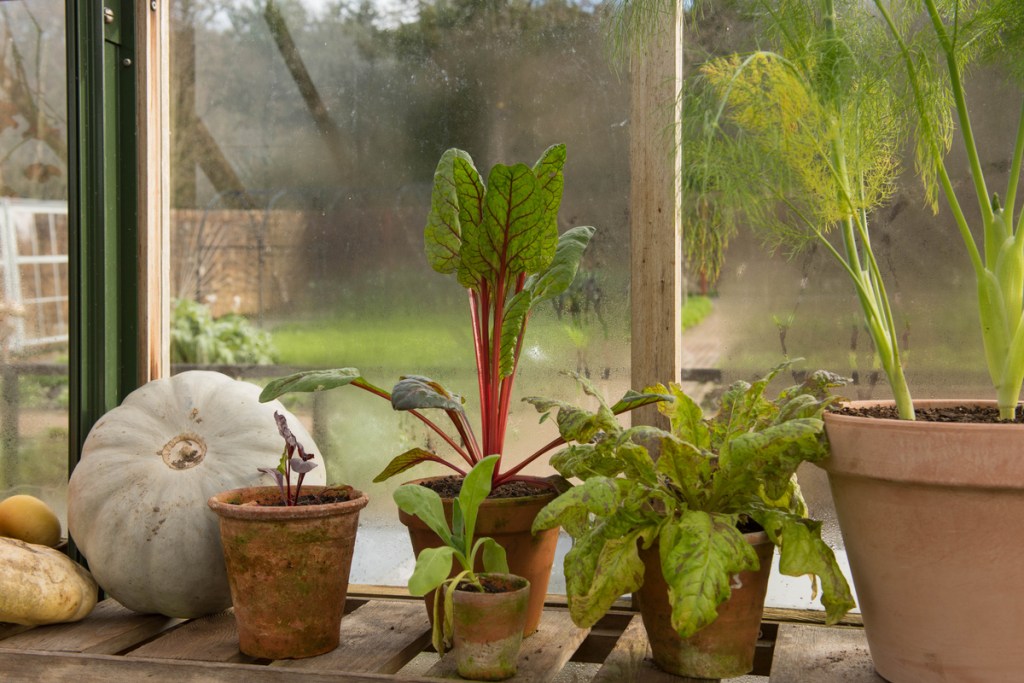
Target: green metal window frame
{"type": "Point", "coordinates": [102, 211]}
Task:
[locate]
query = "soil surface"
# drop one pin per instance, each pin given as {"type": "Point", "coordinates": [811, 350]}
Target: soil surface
{"type": "Point", "coordinates": [449, 487]}
{"type": "Point", "coordinates": [973, 414]}
{"type": "Point", "coordinates": [324, 497]}
{"type": "Point", "coordinates": [490, 585]}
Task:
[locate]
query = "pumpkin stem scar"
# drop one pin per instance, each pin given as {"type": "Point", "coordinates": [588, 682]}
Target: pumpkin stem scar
{"type": "Point", "coordinates": [184, 451]}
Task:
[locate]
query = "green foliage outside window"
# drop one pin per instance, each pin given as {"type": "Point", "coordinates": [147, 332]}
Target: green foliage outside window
{"type": "Point", "coordinates": [198, 337]}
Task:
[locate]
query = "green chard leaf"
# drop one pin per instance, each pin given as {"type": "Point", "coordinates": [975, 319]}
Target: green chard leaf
{"type": "Point", "coordinates": [404, 461]}
{"type": "Point", "coordinates": [469, 192]}
{"type": "Point", "coordinates": [561, 272]}
{"type": "Point", "coordinates": [443, 234]}
{"type": "Point", "coordinates": [699, 555]}
{"type": "Point", "coordinates": [310, 380]}
{"type": "Point", "coordinates": [512, 327]}
{"type": "Point", "coordinates": [513, 239]}
{"type": "Point", "coordinates": [542, 286]}
{"type": "Point", "coordinates": [550, 180]}
{"type": "Point", "coordinates": [413, 392]}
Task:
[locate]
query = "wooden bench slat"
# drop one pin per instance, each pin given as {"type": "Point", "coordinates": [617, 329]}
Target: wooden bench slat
{"type": "Point", "coordinates": [381, 636]}
{"type": "Point", "coordinates": [630, 660]}
{"type": "Point", "coordinates": [211, 639]}
{"type": "Point", "coordinates": [61, 667]}
{"type": "Point", "coordinates": [7, 630]}
{"type": "Point", "coordinates": [110, 628]}
{"type": "Point", "coordinates": [808, 654]}
{"type": "Point", "coordinates": [541, 656]}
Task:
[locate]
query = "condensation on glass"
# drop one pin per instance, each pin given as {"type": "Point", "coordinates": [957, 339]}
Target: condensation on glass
{"type": "Point", "coordinates": [33, 252]}
{"type": "Point", "coordinates": [304, 141]}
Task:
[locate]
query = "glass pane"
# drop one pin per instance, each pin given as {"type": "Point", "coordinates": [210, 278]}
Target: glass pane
{"type": "Point", "coordinates": [33, 252]}
{"type": "Point", "coordinates": [304, 145]}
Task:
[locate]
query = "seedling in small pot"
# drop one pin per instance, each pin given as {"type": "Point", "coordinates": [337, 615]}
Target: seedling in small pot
{"type": "Point", "coordinates": [434, 565]}
{"type": "Point", "coordinates": [294, 458]}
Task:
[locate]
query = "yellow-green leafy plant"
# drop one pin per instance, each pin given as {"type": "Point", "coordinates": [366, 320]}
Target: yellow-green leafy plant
{"type": "Point", "coordinates": [712, 475]}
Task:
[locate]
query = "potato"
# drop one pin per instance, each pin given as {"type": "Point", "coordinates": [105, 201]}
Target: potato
{"type": "Point", "coordinates": [29, 519]}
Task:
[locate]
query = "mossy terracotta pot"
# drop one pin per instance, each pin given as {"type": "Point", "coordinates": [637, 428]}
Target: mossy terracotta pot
{"type": "Point", "coordinates": [722, 649]}
{"type": "Point", "coordinates": [488, 628]}
{"type": "Point", "coordinates": [508, 521]}
{"type": "Point", "coordinates": [288, 569]}
{"type": "Point", "coordinates": [930, 515]}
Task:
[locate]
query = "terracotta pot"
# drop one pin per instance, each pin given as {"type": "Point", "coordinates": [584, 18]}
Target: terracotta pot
{"type": "Point", "coordinates": [288, 569]}
{"type": "Point", "coordinates": [726, 646]}
{"type": "Point", "coordinates": [488, 628]}
{"type": "Point", "coordinates": [929, 515]}
{"type": "Point", "coordinates": [507, 521]}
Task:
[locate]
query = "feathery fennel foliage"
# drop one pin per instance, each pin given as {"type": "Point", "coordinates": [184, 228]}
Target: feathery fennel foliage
{"type": "Point", "coordinates": [814, 118]}
{"type": "Point", "coordinates": [802, 139]}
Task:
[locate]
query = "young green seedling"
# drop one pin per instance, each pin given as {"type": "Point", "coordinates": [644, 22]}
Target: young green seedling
{"type": "Point", "coordinates": [434, 565]}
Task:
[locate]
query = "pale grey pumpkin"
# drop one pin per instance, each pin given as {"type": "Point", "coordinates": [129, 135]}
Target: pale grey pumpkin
{"type": "Point", "coordinates": [137, 499]}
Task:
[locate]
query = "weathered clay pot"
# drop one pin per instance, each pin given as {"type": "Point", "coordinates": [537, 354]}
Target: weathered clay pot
{"type": "Point", "coordinates": [508, 521]}
{"type": "Point", "coordinates": [929, 513]}
{"type": "Point", "coordinates": [726, 646]}
{"type": "Point", "coordinates": [488, 628]}
{"type": "Point", "coordinates": [288, 568]}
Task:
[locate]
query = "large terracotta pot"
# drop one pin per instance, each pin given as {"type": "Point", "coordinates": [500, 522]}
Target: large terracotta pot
{"type": "Point", "coordinates": [929, 514]}
{"type": "Point", "coordinates": [288, 569]}
{"type": "Point", "coordinates": [508, 521]}
{"type": "Point", "coordinates": [487, 628]}
{"type": "Point", "coordinates": [725, 647]}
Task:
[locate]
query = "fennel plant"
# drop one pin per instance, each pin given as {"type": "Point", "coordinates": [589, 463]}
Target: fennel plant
{"type": "Point", "coordinates": [820, 115]}
{"type": "Point", "coordinates": [817, 121]}
{"type": "Point", "coordinates": [937, 53]}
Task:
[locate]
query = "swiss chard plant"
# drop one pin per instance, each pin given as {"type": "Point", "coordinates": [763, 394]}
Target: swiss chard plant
{"type": "Point", "coordinates": [711, 476]}
{"type": "Point", "coordinates": [294, 459]}
{"type": "Point", "coordinates": [434, 565]}
{"type": "Point", "coordinates": [500, 240]}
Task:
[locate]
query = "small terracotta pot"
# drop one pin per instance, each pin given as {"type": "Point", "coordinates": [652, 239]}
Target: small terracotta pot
{"type": "Point", "coordinates": [928, 513]}
{"type": "Point", "coordinates": [488, 628]}
{"type": "Point", "coordinates": [725, 647]}
{"type": "Point", "coordinates": [288, 569]}
{"type": "Point", "coordinates": [508, 521]}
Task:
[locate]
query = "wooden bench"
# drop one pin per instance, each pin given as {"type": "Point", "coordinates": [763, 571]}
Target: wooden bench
{"type": "Point", "coordinates": [387, 638]}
